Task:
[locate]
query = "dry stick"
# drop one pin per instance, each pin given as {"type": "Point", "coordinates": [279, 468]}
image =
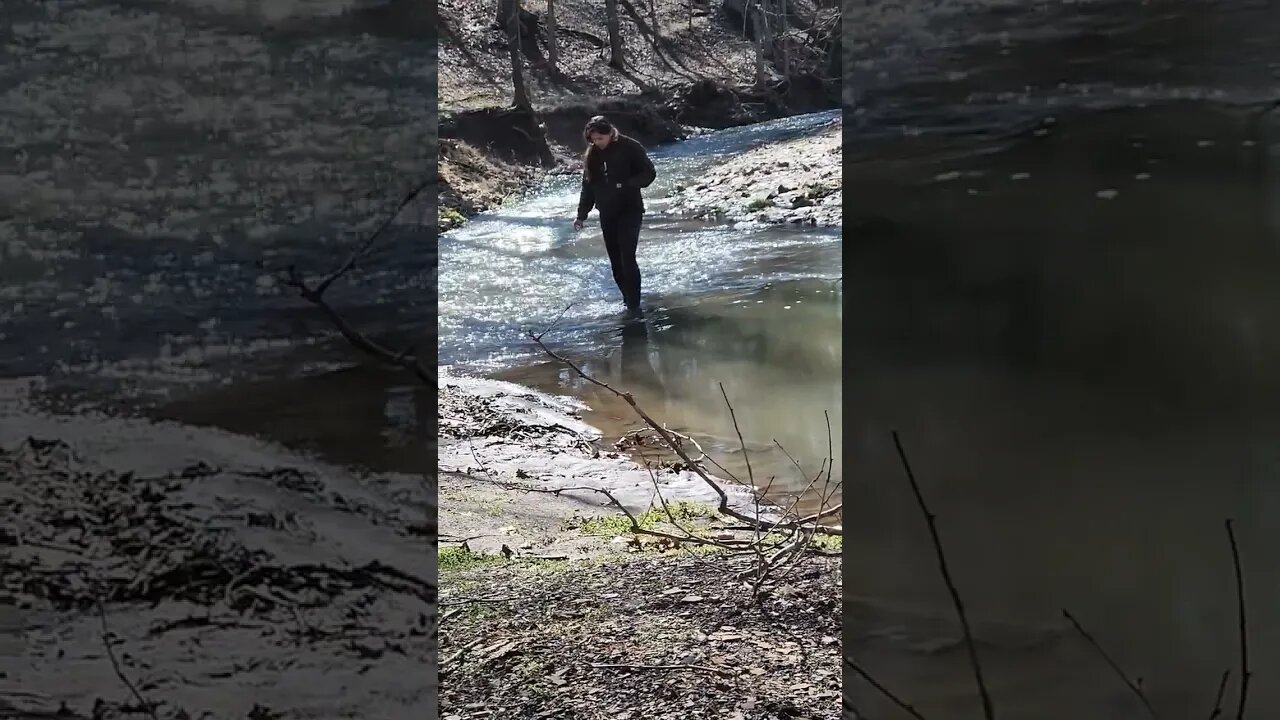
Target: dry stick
{"type": "Point", "coordinates": [1134, 686]}
{"type": "Point", "coordinates": [1244, 627]}
{"type": "Point", "coordinates": [903, 705]}
{"type": "Point", "coordinates": [146, 705]}
{"type": "Point", "coordinates": [480, 600]}
{"type": "Point", "coordinates": [988, 710]}
{"type": "Point", "coordinates": [624, 666]}
{"type": "Point", "coordinates": [1222, 690]}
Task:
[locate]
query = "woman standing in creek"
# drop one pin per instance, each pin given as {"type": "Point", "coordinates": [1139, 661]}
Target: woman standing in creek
{"type": "Point", "coordinates": [615, 169]}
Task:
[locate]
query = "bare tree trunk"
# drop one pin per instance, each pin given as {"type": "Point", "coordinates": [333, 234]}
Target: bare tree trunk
{"type": "Point", "coordinates": [784, 29]}
{"type": "Point", "coordinates": [653, 22]}
{"type": "Point", "coordinates": [615, 34]}
{"type": "Point", "coordinates": [521, 92]}
{"type": "Point", "coordinates": [553, 46]}
{"type": "Point", "coordinates": [760, 28]}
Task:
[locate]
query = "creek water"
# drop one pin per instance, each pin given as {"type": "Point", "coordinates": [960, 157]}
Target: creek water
{"type": "Point", "coordinates": [168, 162]}
{"type": "Point", "coordinates": [753, 309]}
{"type": "Point", "coordinates": [1061, 264]}
{"type": "Point", "coordinates": [163, 163]}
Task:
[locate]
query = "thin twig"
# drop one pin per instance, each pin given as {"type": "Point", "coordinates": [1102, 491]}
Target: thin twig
{"type": "Point", "coordinates": [746, 456]}
{"type": "Point", "coordinates": [1222, 690]}
{"type": "Point", "coordinates": [903, 705]}
{"type": "Point", "coordinates": [480, 600]}
{"type": "Point", "coordinates": [624, 666]}
{"type": "Point", "coordinates": [1137, 690]}
{"type": "Point", "coordinates": [364, 247]}
{"type": "Point", "coordinates": [404, 359]}
{"type": "Point", "coordinates": [1244, 626]}
{"type": "Point", "coordinates": [145, 704]}
{"type": "Point", "coordinates": [988, 710]}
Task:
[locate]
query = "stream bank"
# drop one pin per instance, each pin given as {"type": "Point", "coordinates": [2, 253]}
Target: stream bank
{"type": "Point", "coordinates": [688, 67]}
{"type": "Point", "coordinates": [547, 599]}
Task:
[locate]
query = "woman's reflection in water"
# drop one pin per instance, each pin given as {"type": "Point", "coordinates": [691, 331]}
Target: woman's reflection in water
{"type": "Point", "coordinates": [636, 373]}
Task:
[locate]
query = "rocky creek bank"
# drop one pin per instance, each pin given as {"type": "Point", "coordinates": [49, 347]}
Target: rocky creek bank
{"type": "Point", "coordinates": [796, 182]}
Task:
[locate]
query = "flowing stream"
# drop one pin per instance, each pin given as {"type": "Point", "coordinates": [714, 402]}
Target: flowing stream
{"type": "Point", "coordinates": [756, 309]}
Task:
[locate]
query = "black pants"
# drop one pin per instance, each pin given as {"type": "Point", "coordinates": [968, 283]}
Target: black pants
{"type": "Point", "coordinates": [621, 236]}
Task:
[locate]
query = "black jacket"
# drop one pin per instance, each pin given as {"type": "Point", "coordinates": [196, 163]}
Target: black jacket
{"type": "Point", "coordinates": [612, 180]}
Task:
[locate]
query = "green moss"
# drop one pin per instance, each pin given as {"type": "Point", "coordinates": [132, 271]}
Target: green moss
{"type": "Point", "coordinates": [830, 543]}
{"type": "Point", "coordinates": [460, 558]}
{"type": "Point", "coordinates": [682, 512]}
{"type": "Point", "coordinates": [758, 204]}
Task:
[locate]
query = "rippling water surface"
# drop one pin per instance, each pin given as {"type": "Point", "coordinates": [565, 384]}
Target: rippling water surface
{"type": "Point", "coordinates": [1060, 270]}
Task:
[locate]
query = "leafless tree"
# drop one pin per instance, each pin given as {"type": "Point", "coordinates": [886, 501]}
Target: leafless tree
{"type": "Point", "coordinates": [616, 58]}
{"type": "Point", "coordinates": [520, 91]}
{"type": "Point", "coordinates": [553, 48]}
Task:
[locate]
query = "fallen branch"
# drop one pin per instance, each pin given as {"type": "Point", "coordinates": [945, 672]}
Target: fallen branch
{"type": "Point", "coordinates": [988, 709]}
{"type": "Point", "coordinates": [624, 666]}
{"type": "Point", "coordinates": [1133, 686]}
{"type": "Point", "coordinates": [481, 600]}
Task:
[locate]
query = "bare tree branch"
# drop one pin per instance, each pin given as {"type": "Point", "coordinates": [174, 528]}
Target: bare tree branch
{"type": "Point", "coordinates": [1243, 623]}
{"type": "Point", "coordinates": [1134, 686]}
{"type": "Point", "coordinates": [675, 445]}
{"type": "Point", "coordinates": [903, 705]}
{"type": "Point", "coordinates": [405, 359]}
{"type": "Point", "coordinates": [988, 709]}
{"type": "Point", "coordinates": [1222, 690]}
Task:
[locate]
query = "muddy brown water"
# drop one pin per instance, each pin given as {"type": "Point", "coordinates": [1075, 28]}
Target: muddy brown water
{"type": "Point", "coordinates": [1071, 319]}
{"type": "Point", "coordinates": [771, 352]}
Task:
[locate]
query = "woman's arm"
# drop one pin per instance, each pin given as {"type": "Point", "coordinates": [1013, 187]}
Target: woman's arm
{"type": "Point", "coordinates": [645, 173]}
{"type": "Point", "coordinates": [586, 198]}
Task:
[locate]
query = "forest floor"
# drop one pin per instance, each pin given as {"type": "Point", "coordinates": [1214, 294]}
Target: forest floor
{"type": "Point", "coordinates": [552, 608]}
{"type": "Point", "coordinates": [699, 73]}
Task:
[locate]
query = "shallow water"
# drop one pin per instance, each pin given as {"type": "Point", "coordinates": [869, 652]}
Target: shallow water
{"type": "Point", "coordinates": [770, 353]}
{"type": "Point", "coordinates": [749, 307]}
{"type": "Point", "coordinates": [169, 160]}
{"type": "Point", "coordinates": [1069, 312]}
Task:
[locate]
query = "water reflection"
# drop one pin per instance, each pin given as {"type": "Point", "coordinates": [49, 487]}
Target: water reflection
{"type": "Point", "coordinates": [1076, 333]}
{"type": "Point", "coordinates": [776, 353]}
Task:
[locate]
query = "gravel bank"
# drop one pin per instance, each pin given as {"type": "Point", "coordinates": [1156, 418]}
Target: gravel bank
{"type": "Point", "coordinates": [795, 182]}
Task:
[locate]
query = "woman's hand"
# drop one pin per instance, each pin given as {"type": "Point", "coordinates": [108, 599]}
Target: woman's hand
{"type": "Point", "coordinates": [577, 224]}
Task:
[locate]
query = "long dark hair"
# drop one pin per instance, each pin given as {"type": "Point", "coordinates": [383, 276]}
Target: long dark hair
{"type": "Point", "coordinates": [595, 126]}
